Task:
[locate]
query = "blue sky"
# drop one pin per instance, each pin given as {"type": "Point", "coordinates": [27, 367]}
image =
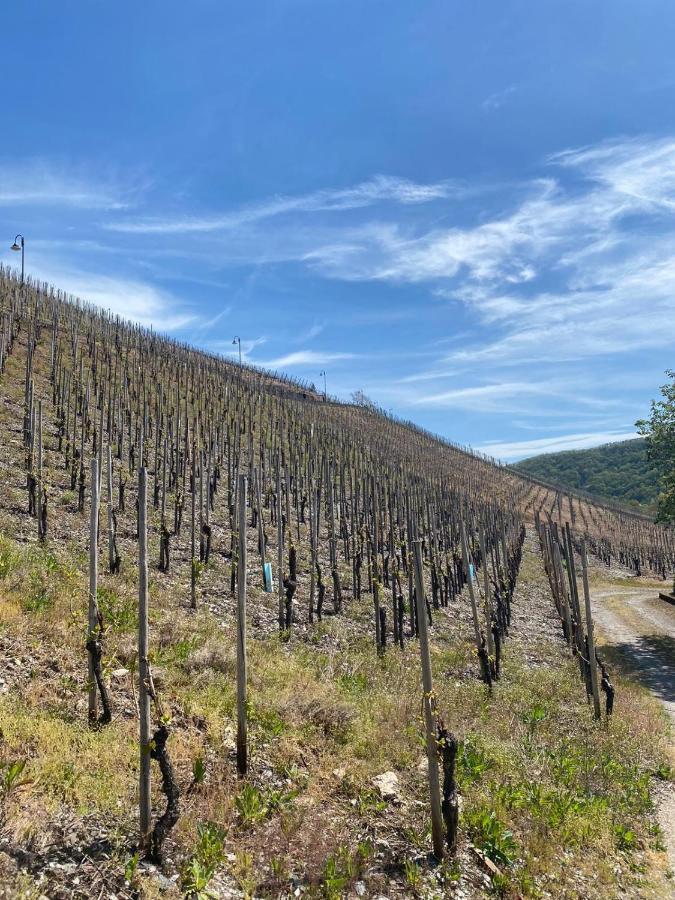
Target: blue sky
{"type": "Point", "coordinates": [466, 211]}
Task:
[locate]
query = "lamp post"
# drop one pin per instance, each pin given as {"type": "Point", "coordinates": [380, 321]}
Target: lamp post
{"type": "Point", "coordinates": [237, 340]}
{"type": "Point", "coordinates": [16, 246]}
{"type": "Point", "coordinates": [325, 393]}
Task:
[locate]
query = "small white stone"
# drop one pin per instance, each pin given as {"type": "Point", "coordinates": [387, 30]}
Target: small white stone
{"type": "Point", "coordinates": [388, 786]}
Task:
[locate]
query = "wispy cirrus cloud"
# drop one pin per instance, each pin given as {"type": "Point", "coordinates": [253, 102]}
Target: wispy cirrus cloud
{"type": "Point", "coordinates": [124, 293]}
{"type": "Point", "coordinates": [514, 450]}
{"type": "Point", "coordinates": [213, 320]}
{"type": "Point", "coordinates": [610, 307]}
{"type": "Point", "coordinates": [562, 274]}
{"type": "Point", "coordinates": [639, 169]}
{"type": "Point", "coordinates": [41, 183]}
{"type": "Point", "coordinates": [498, 98]}
{"type": "Point", "coordinates": [127, 297]}
{"type": "Point", "coordinates": [576, 264]}
{"type": "Point", "coordinates": [312, 332]}
{"type": "Point", "coordinates": [304, 358]}
{"type": "Point", "coordinates": [484, 397]}
{"type": "Point", "coordinates": [473, 394]}
{"type": "Point", "coordinates": [380, 189]}
{"type": "Point", "coordinates": [508, 250]}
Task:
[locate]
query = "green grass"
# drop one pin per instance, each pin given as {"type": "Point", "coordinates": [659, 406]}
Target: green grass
{"type": "Point", "coordinates": [67, 762]}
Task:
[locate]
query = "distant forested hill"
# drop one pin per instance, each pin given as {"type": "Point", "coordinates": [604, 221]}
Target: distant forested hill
{"type": "Point", "coordinates": [619, 472]}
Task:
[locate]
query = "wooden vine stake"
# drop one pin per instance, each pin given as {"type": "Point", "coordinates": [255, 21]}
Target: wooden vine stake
{"type": "Point", "coordinates": [41, 494]}
{"type": "Point", "coordinates": [145, 805]}
{"type": "Point", "coordinates": [480, 644]}
{"type": "Point", "coordinates": [95, 624]}
{"type": "Point", "coordinates": [92, 625]}
{"type": "Point", "coordinates": [429, 718]}
{"type": "Point", "coordinates": [590, 638]}
{"type": "Point", "coordinates": [113, 556]}
{"type": "Point", "coordinates": [280, 555]}
{"type": "Point", "coordinates": [242, 736]}
{"type": "Point", "coordinates": [488, 605]}
{"type": "Point", "coordinates": [193, 561]}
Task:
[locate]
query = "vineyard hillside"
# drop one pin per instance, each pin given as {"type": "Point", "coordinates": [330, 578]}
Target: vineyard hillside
{"type": "Point", "coordinates": [221, 597]}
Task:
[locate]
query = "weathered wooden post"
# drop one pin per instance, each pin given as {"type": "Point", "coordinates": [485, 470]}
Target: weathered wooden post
{"type": "Point", "coordinates": [41, 517]}
{"type": "Point", "coordinates": [92, 625]}
{"type": "Point", "coordinates": [145, 806]}
{"type": "Point", "coordinates": [280, 554]}
{"type": "Point", "coordinates": [257, 477]}
{"type": "Point", "coordinates": [242, 736]}
{"type": "Point", "coordinates": [113, 559]}
{"type": "Point", "coordinates": [313, 540]}
{"type": "Point", "coordinates": [488, 602]}
{"type": "Point", "coordinates": [567, 618]}
{"type": "Point", "coordinates": [193, 561]}
{"type": "Point", "coordinates": [428, 701]}
{"type": "Point", "coordinates": [376, 604]}
{"type": "Point", "coordinates": [590, 638]}
{"type": "Point", "coordinates": [480, 649]}
{"type": "Point", "coordinates": [201, 506]}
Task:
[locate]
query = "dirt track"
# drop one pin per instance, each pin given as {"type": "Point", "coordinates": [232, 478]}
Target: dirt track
{"type": "Point", "coordinates": [640, 630]}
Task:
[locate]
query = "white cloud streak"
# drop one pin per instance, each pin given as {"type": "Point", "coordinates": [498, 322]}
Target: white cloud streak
{"type": "Point", "coordinates": [498, 99]}
{"type": "Point", "coordinates": [484, 397]}
{"type": "Point", "coordinates": [125, 296]}
{"type": "Point", "coordinates": [514, 450]}
{"type": "Point", "coordinates": [573, 271]}
{"type": "Point", "coordinates": [380, 189]}
{"type": "Point", "coordinates": [312, 332]}
{"type": "Point", "coordinates": [304, 358]}
{"type": "Point", "coordinates": [579, 264]}
{"type": "Point", "coordinates": [38, 183]}
{"type": "Point", "coordinates": [209, 323]}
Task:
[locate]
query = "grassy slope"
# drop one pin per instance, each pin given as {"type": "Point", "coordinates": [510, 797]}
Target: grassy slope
{"type": "Point", "coordinates": [619, 472]}
{"type": "Point", "coordinates": [327, 716]}
{"type": "Point", "coordinates": [560, 804]}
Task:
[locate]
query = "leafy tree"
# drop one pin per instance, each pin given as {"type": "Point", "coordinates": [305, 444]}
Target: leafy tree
{"type": "Point", "coordinates": [659, 430]}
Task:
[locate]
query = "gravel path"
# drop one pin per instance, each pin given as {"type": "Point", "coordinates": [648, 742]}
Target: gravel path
{"type": "Point", "coordinates": [640, 630]}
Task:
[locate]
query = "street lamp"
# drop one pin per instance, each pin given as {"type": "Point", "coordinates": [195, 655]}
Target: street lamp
{"type": "Point", "coordinates": [16, 246]}
{"type": "Point", "coordinates": [325, 393]}
{"type": "Point", "coordinates": [237, 340]}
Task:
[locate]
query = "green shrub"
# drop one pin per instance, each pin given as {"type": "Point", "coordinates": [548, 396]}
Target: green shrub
{"type": "Point", "coordinates": [121, 613]}
{"type": "Point", "coordinates": [254, 805]}
{"type": "Point", "coordinates": [491, 836]}
{"type": "Point", "coordinates": [473, 762]}
{"type": "Point", "coordinates": [202, 865]}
